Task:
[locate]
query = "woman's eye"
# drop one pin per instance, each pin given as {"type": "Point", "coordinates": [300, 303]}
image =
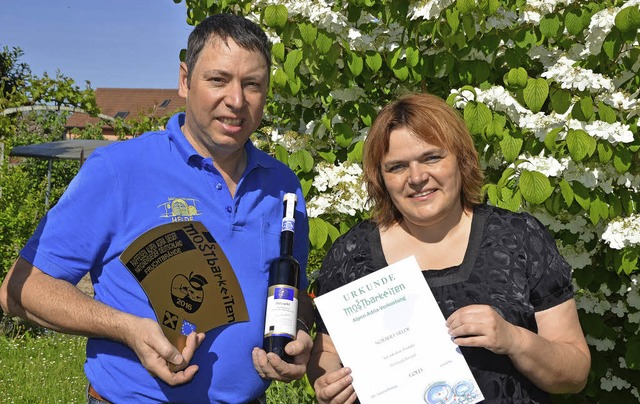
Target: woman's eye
{"type": "Point", "coordinates": [394, 168]}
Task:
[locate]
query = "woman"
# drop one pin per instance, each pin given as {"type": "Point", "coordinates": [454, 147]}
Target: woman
{"type": "Point", "coordinates": [497, 275]}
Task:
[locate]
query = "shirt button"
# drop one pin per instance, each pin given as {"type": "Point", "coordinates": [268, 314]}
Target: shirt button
{"type": "Point", "coordinates": [229, 209]}
{"type": "Point", "coordinates": [218, 186]}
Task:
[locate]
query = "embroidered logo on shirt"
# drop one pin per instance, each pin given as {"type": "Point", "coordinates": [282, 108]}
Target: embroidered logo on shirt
{"type": "Point", "coordinates": [180, 209]}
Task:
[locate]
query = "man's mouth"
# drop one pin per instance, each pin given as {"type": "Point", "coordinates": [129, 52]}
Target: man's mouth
{"type": "Point", "coordinates": [231, 121]}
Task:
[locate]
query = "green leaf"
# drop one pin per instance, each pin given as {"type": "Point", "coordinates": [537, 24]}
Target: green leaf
{"type": "Point", "coordinates": [535, 94]}
{"type": "Point", "coordinates": [412, 56]}
{"type": "Point", "coordinates": [277, 50]}
{"type": "Point", "coordinates": [629, 262]}
{"type": "Point", "coordinates": [308, 32]}
{"type": "Point", "coordinates": [599, 209]}
{"type": "Point", "coordinates": [560, 100]}
{"type": "Point", "coordinates": [612, 44]}
{"type": "Point", "coordinates": [566, 191]}
{"type": "Point", "coordinates": [303, 159]}
{"type": "Point", "coordinates": [279, 78]}
{"type": "Point", "coordinates": [469, 25]}
{"type": "Point", "coordinates": [292, 61]}
{"type": "Point", "coordinates": [477, 116]}
{"type": "Point", "coordinates": [573, 21]}
{"type": "Point", "coordinates": [294, 85]}
{"type": "Point", "coordinates": [328, 156]}
{"type": "Point", "coordinates": [506, 176]}
{"type": "Point", "coordinates": [491, 190]}
{"type": "Point", "coordinates": [393, 57]}
{"type": "Point", "coordinates": [510, 199]}
{"type": "Point", "coordinates": [276, 15]}
{"type": "Point", "coordinates": [452, 16]}
{"type": "Point", "coordinates": [511, 147]}
{"type": "Point", "coordinates": [344, 134]}
{"type": "Point", "coordinates": [582, 195]}
{"type": "Point", "coordinates": [632, 354]}
{"type": "Point", "coordinates": [580, 144]}
{"type": "Point", "coordinates": [355, 64]}
{"type": "Point", "coordinates": [318, 232]}
{"type": "Point", "coordinates": [373, 61]}
{"type": "Point", "coordinates": [615, 206]}
{"type": "Point", "coordinates": [466, 6]}
{"type": "Point", "coordinates": [551, 26]}
{"type": "Point", "coordinates": [401, 73]}
{"type": "Point", "coordinates": [367, 113]}
{"type": "Point", "coordinates": [518, 77]}
{"type": "Point", "coordinates": [622, 160]}
{"type": "Point", "coordinates": [535, 186]}
{"type": "Point", "coordinates": [605, 152]}
{"type": "Point", "coordinates": [583, 110]}
{"type": "Point", "coordinates": [282, 154]}
{"type": "Point", "coordinates": [323, 43]}
{"type": "Point", "coordinates": [550, 139]}
{"type": "Point", "coordinates": [606, 113]}
{"type": "Point", "coordinates": [355, 155]}
{"type": "Point", "coordinates": [628, 19]}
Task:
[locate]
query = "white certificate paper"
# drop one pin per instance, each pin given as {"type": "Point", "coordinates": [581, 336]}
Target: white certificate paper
{"type": "Point", "coordinates": [388, 328]}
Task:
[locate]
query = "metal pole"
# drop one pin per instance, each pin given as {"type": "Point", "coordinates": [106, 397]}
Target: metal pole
{"type": "Point", "coordinates": [46, 197]}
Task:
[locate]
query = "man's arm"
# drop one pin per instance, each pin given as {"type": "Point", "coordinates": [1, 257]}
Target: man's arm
{"type": "Point", "coordinates": [53, 303]}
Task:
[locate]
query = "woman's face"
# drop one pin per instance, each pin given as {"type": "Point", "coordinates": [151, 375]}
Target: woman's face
{"type": "Point", "coordinates": [422, 179]}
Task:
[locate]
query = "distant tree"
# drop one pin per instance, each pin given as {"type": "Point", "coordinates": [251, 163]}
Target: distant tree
{"type": "Point", "coordinates": [23, 186]}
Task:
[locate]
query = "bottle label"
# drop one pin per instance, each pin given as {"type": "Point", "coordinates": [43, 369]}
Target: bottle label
{"type": "Point", "coordinates": [282, 311]}
{"type": "Point", "coordinates": [288, 224]}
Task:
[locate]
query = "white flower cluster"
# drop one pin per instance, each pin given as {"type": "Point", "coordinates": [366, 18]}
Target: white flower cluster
{"type": "Point", "coordinates": [574, 77]}
{"type": "Point", "coordinates": [546, 165]}
{"type": "Point", "coordinates": [535, 9]}
{"type": "Point", "coordinates": [341, 190]}
{"type": "Point", "coordinates": [428, 9]}
{"type": "Point", "coordinates": [619, 100]}
{"type": "Point", "coordinates": [599, 27]}
{"type": "Point", "coordinates": [623, 232]}
{"type": "Point", "coordinates": [502, 19]}
{"type": "Point", "coordinates": [611, 381]}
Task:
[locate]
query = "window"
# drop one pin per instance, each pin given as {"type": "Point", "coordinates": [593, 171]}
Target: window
{"type": "Point", "coordinates": [121, 114]}
{"type": "Point", "coordinates": [165, 103]}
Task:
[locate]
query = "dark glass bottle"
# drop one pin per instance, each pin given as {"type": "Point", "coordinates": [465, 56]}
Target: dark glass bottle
{"type": "Point", "coordinates": [282, 298]}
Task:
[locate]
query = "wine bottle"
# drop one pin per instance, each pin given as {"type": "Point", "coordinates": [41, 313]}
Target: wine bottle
{"type": "Point", "coordinates": [282, 298]}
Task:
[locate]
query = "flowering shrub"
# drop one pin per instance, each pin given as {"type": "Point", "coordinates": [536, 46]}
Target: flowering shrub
{"type": "Point", "coordinates": [549, 90]}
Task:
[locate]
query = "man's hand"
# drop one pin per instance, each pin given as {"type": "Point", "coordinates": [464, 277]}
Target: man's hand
{"type": "Point", "coordinates": [160, 357]}
{"type": "Point", "coordinates": [270, 366]}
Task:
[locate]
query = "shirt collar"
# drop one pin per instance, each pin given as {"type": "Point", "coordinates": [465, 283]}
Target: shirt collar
{"type": "Point", "coordinates": [255, 157]}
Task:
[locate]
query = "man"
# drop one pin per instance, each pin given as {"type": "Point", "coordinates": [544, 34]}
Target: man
{"type": "Point", "coordinates": [205, 161]}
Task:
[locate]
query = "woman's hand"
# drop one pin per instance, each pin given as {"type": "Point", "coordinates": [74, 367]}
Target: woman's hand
{"type": "Point", "coordinates": [335, 387]}
{"type": "Point", "coordinates": [482, 326]}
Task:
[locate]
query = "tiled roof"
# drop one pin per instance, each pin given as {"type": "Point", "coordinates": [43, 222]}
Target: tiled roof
{"type": "Point", "coordinates": [131, 102]}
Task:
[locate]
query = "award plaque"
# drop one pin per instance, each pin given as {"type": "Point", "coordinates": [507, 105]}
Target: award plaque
{"type": "Point", "coordinates": [187, 278]}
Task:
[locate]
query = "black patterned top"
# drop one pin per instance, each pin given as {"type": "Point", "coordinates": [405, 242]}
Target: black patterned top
{"type": "Point", "coordinates": [511, 263]}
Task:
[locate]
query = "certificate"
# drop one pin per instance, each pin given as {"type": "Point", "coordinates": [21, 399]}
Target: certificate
{"type": "Point", "coordinates": [388, 328]}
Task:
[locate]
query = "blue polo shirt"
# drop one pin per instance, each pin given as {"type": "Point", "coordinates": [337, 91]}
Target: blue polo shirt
{"type": "Point", "coordinates": [130, 187]}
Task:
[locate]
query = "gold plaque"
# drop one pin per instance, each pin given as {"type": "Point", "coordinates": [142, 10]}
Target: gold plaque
{"type": "Point", "coordinates": [187, 278]}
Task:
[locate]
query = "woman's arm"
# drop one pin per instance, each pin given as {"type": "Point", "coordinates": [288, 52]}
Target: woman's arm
{"type": "Point", "coordinates": [330, 380]}
{"type": "Point", "coordinates": [557, 359]}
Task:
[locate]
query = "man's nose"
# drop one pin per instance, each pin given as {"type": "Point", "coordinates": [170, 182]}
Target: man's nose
{"type": "Point", "coordinates": [234, 98]}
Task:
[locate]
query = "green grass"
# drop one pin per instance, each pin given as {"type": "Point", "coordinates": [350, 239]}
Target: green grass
{"type": "Point", "coordinates": [48, 369]}
{"type": "Point", "coordinates": [45, 369]}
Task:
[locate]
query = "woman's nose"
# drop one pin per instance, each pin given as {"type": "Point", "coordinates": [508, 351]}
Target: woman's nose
{"type": "Point", "coordinates": [418, 174]}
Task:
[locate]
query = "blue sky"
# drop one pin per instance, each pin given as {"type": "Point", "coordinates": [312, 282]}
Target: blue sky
{"type": "Point", "coordinates": [111, 43]}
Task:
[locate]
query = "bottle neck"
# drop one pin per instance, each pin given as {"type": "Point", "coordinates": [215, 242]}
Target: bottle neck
{"type": "Point", "coordinates": [286, 243]}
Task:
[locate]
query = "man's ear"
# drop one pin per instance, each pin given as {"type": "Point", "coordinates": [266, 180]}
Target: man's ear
{"type": "Point", "coordinates": [183, 80]}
